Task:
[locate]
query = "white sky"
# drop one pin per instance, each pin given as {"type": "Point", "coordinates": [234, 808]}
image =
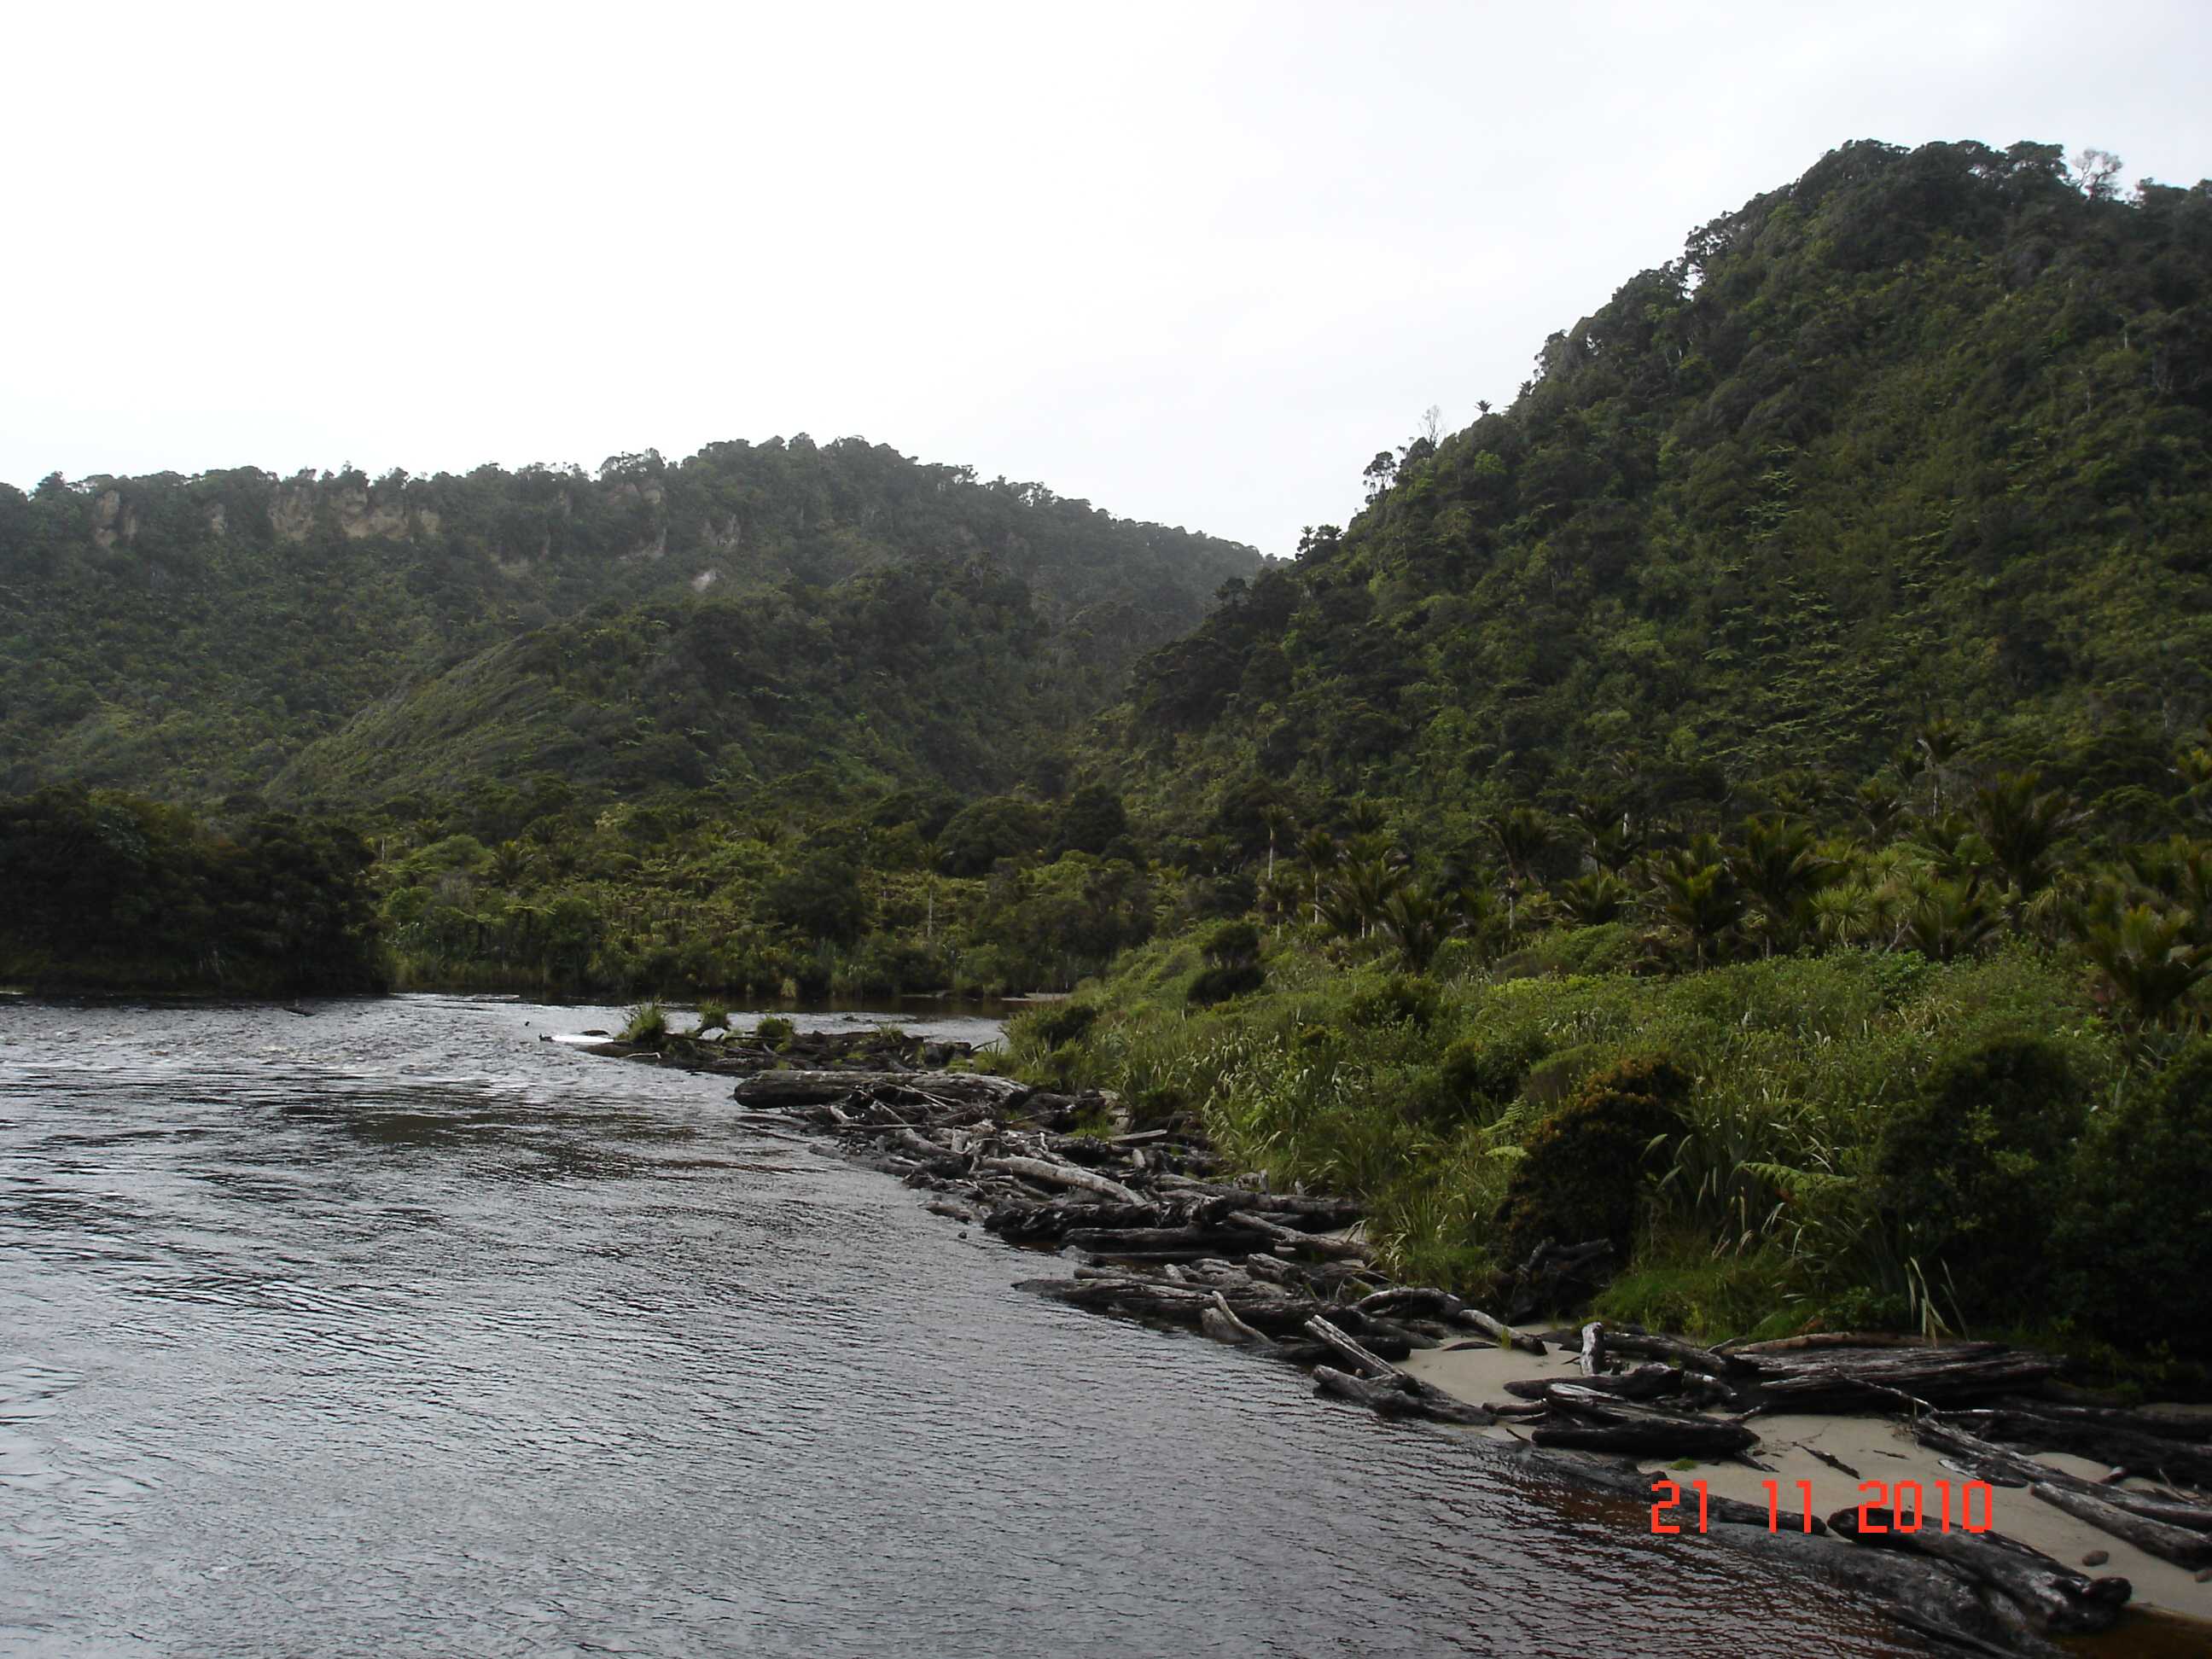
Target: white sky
{"type": "Point", "coordinates": [1196, 263]}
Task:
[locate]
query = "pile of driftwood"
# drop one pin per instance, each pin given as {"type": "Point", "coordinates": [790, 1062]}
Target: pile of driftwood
{"type": "Point", "coordinates": [742, 1054]}
{"type": "Point", "coordinates": [1164, 1238]}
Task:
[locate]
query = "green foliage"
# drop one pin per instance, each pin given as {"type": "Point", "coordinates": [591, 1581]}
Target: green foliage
{"type": "Point", "coordinates": [1681, 1287]}
{"type": "Point", "coordinates": [1921, 430]}
{"type": "Point", "coordinates": [1232, 950]}
{"type": "Point", "coordinates": [1056, 1024]}
{"type": "Point", "coordinates": [775, 1031]}
{"type": "Point", "coordinates": [195, 637]}
{"type": "Point", "coordinates": [1583, 1173]}
{"type": "Point", "coordinates": [1972, 1173]}
{"type": "Point", "coordinates": [106, 891]}
{"type": "Point", "coordinates": [1396, 999]}
{"type": "Point", "coordinates": [647, 1024]}
{"type": "Point", "coordinates": [712, 1017]}
{"type": "Point", "coordinates": [1768, 1169]}
{"type": "Point", "coordinates": [1482, 1078]}
{"type": "Point", "coordinates": [2131, 1244]}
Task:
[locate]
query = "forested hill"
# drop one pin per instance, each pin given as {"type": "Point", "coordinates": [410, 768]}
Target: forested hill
{"type": "Point", "coordinates": [1920, 439]}
{"type": "Point", "coordinates": [189, 637]}
{"type": "Point", "coordinates": [942, 674]}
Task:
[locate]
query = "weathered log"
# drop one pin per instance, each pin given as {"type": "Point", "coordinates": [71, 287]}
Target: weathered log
{"type": "Point", "coordinates": [1062, 1175]}
{"type": "Point", "coordinates": [1230, 1317]}
{"type": "Point", "coordinates": [1841, 1380]}
{"type": "Point", "coordinates": [1592, 1359]}
{"type": "Point", "coordinates": [1375, 1332]}
{"type": "Point", "coordinates": [2144, 1454]}
{"type": "Point", "coordinates": [1318, 1214]}
{"type": "Point", "coordinates": [1924, 1594]}
{"type": "Point", "coordinates": [1225, 1327]}
{"type": "Point", "coordinates": [1475, 1319]}
{"type": "Point", "coordinates": [1651, 1345]}
{"type": "Point", "coordinates": [2194, 1517]}
{"type": "Point", "coordinates": [2176, 1544]}
{"type": "Point", "coordinates": [1608, 1425]}
{"type": "Point", "coordinates": [1029, 1223]}
{"type": "Point", "coordinates": [1434, 1401]}
{"type": "Point", "coordinates": [1503, 1408]}
{"type": "Point", "coordinates": [928, 1151]}
{"type": "Point", "coordinates": [2060, 1599]}
{"type": "Point", "coordinates": [1113, 1241]}
{"type": "Point", "coordinates": [1320, 1277]}
{"type": "Point", "coordinates": [2166, 1426]}
{"type": "Point", "coordinates": [1394, 1398]}
{"type": "Point", "coordinates": [1410, 1299]}
{"type": "Point", "coordinates": [1102, 1287]}
{"type": "Point", "coordinates": [1648, 1381]}
{"type": "Point", "coordinates": [805, 1088]}
{"type": "Point", "coordinates": [1360, 1358]}
{"type": "Point", "coordinates": [1319, 1243]}
{"type": "Point", "coordinates": [1997, 1465]}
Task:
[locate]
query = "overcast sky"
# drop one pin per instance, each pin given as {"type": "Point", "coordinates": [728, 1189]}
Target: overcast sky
{"type": "Point", "coordinates": [1196, 263]}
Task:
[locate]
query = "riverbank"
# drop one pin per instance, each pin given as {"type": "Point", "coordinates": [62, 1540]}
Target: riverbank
{"type": "Point", "coordinates": [1796, 1447]}
{"type": "Point", "coordinates": [1168, 1238]}
{"type": "Point", "coordinates": [1846, 1140]}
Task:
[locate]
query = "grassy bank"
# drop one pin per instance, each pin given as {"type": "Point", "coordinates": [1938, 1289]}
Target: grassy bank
{"type": "Point", "coordinates": [1855, 1139]}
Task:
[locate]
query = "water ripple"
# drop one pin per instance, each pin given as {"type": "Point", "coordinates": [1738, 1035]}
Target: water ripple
{"type": "Point", "coordinates": [397, 1330]}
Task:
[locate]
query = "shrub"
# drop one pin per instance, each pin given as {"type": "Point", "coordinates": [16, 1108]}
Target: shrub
{"type": "Point", "coordinates": [647, 1025]}
{"type": "Point", "coordinates": [1058, 1024]}
{"type": "Point", "coordinates": [1484, 1077]}
{"type": "Point", "coordinates": [1222, 981]}
{"type": "Point", "coordinates": [712, 1017]}
{"type": "Point", "coordinates": [1231, 943]}
{"type": "Point", "coordinates": [1969, 1172]}
{"type": "Point", "coordinates": [1580, 1176]}
{"type": "Point", "coordinates": [2130, 1243]}
{"type": "Point", "coordinates": [775, 1031]}
{"type": "Point", "coordinates": [1399, 1000]}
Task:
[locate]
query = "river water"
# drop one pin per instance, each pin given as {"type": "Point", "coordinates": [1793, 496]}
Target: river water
{"type": "Point", "coordinates": [391, 1329]}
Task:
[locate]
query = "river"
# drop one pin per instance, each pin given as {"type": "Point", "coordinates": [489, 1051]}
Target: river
{"type": "Point", "coordinates": [391, 1329]}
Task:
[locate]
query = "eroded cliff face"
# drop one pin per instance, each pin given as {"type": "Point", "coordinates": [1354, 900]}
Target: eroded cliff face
{"type": "Point", "coordinates": [112, 521]}
{"type": "Point", "coordinates": [358, 511]}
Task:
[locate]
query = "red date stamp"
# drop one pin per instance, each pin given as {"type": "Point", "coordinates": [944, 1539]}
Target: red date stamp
{"type": "Point", "coordinates": [1894, 1500]}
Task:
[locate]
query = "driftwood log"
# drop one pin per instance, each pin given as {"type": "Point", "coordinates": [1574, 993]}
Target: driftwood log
{"type": "Point", "coordinates": [2178, 1545]}
{"type": "Point", "coordinates": [803, 1088]}
{"type": "Point", "coordinates": [1052, 1173]}
{"type": "Point", "coordinates": [1422, 1399]}
{"type": "Point", "coordinates": [2109, 1442]}
{"type": "Point", "coordinates": [2061, 1601]}
{"type": "Point", "coordinates": [1591, 1421]}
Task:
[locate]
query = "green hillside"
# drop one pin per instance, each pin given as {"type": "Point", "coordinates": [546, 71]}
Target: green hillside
{"type": "Point", "coordinates": [189, 637]}
{"type": "Point", "coordinates": [1921, 436]}
{"type": "Point", "coordinates": [919, 672]}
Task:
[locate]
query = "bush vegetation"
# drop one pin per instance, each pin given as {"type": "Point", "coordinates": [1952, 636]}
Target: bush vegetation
{"type": "Point", "coordinates": [1814, 1140]}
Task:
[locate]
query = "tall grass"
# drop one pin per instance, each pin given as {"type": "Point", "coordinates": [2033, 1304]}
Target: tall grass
{"type": "Point", "coordinates": [1797, 1061]}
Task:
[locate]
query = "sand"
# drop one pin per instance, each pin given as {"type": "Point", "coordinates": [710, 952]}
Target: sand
{"type": "Point", "coordinates": [1878, 1448]}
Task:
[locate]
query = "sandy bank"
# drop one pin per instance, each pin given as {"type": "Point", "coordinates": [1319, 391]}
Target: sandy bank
{"type": "Point", "coordinates": [1880, 1448]}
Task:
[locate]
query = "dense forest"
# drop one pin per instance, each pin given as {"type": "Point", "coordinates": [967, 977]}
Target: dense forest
{"type": "Point", "coordinates": [1921, 436]}
{"type": "Point", "coordinates": [190, 637]}
{"type": "Point", "coordinates": [1746, 800]}
{"type": "Point", "coordinates": [111, 892]}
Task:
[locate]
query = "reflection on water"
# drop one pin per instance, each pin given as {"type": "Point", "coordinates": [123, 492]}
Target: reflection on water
{"type": "Point", "coordinates": [396, 1330]}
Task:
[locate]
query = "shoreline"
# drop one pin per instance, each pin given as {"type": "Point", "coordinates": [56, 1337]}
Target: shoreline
{"type": "Point", "coordinates": [1161, 1226]}
{"type": "Point", "coordinates": [1876, 1449]}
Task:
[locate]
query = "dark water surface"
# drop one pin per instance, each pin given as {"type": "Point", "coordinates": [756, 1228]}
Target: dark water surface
{"type": "Point", "coordinates": [394, 1330]}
